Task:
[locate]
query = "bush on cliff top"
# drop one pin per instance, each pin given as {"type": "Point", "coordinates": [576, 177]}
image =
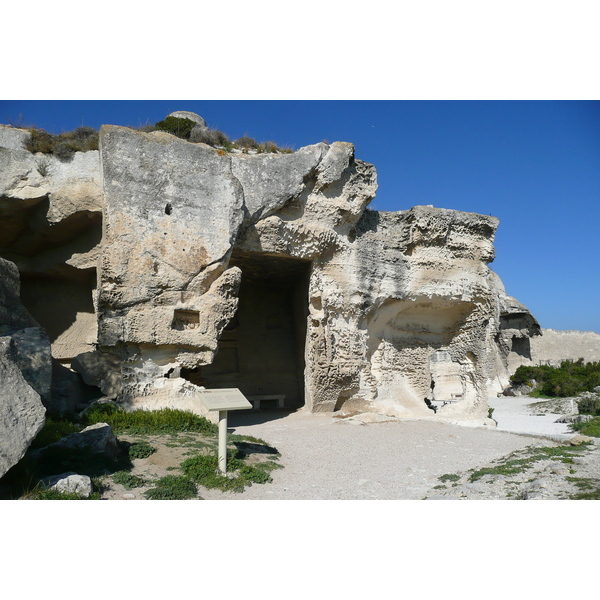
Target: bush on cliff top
{"type": "Point", "coordinates": [188, 130]}
{"type": "Point", "coordinates": [179, 127]}
{"type": "Point", "coordinates": [82, 139]}
{"type": "Point", "coordinates": [65, 144]}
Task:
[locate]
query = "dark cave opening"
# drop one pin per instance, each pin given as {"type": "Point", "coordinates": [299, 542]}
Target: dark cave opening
{"type": "Point", "coordinates": [261, 351]}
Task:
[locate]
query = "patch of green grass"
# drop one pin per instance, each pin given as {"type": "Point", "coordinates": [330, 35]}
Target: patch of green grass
{"type": "Point", "coordinates": [590, 488]}
{"type": "Point", "coordinates": [590, 428]}
{"type": "Point", "coordinates": [561, 453]}
{"type": "Point", "coordinates": [128, 480]}
{"type": "Point", "coordinates": [204, 470]}
{"type": "Point", "coordinates": [449, 477]}
{"type": "Point", "coordinates": [512, 464]}
{"type": "Point", "coordinates": [183, 429]}
{"type": "Point", "coordinates": [53, 431]}
{"type": "Point", "coordinates": [42, 492]}
{"type": "Point", "coordinates": [172, 487]}
{"type": "Point", "coordinates": [150, 422]}
{"type": "Point", "coordinates": [510, 467]}
{"type": "Point", "coordinates": [55, 495]}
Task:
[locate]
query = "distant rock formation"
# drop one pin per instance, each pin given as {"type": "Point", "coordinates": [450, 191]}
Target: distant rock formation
{"type": "Point", "coordinates": [159, 265]}
{"type": "Point", "coordinates": [554, 346]}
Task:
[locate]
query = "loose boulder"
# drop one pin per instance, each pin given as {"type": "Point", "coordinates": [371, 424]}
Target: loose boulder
{"type": "Point", "coordinates": [22, 414]}
{"type": "Point", "coordinates": [70, 483]}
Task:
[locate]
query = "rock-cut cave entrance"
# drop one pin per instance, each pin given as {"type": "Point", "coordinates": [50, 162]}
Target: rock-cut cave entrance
{"type": "Point", "coordinates": [261, 351]}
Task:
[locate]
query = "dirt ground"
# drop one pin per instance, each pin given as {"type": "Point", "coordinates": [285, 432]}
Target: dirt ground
{"type": "Point", "coordinates": [328, 458]}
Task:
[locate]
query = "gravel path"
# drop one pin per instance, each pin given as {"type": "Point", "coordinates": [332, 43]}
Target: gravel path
{"type": "Point", "coordinates": [519, 415]}
{"type": "Point", "coordinates": [326, 458]}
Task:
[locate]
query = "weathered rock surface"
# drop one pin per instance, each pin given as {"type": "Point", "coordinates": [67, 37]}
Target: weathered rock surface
{"type": "Point", "coordinates": [25, 371]}
{"type": "Point", "coordinates": [70, 483]}
{"type": "Point", "coordinates": [95, 439]}
{"type": "Point", "coordinates": [50, 227]}
{"type": "Point", "coordinates": [13, 138]}
{"type": "Point", "coordinates": [22, 414]}
{"type": "Point", "coordinates": [13, 315]}
{"type": "Point", "coordinates": [186, 114]}
{"type": "Point", "coordinates": [29, 343]}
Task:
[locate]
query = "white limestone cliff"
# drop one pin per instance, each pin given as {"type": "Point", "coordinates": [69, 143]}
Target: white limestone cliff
{"type": "Point", "coordinates": [265, 272]}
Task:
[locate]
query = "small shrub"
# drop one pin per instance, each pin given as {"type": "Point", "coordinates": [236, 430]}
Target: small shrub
{"type": "Point", "coordinates": [83, 133]}
{"type": "Point", "coordinates": [40, 141]}
{"type": "Point", "coordinates": [172, 487]}
{"type": "Point", "coordinates": [64, 150]}
{"type": "Point", "coordinates": [43, 167]}
{"type": "Point", "coordinates": [589, 406]}
{"type": "Point", "coordinates": [590, 428]}
{"type": "Point", "coordinates": [269, 147]}
{"type": "Point", "coordinates": [212, 137]}
{"type": "Point", "coordinates": [64, 145]}
{"type": "Point", "coordinates": [246, 142]}
{"type": "Point", "coordinates": [182, 128]}
{"type": "Point", "coordinates": [128, 480]}
{"type": "Point", "coordinates": [141, 450]}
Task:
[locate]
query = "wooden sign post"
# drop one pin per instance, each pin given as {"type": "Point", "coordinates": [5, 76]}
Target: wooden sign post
{"type": "Point", "coordinates": [223, 400]}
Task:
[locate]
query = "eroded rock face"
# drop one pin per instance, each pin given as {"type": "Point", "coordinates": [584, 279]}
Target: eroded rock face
{"type": "Point", "coordinates": [28, 342]}
{"type": "Point", "coordinates": [403, 314]}
{"type": "Point", "coordinates": [25, 372]}
{"type": "Point", "coordinates": [22, 414]}
{"type": "Point", "coordinates": [265, 272]}
{"type": "Point", "coordinates": [50, 227]}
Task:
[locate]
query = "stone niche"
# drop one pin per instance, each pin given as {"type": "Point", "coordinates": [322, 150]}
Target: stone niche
{"type": "Point", "coordinates": [158, 266]}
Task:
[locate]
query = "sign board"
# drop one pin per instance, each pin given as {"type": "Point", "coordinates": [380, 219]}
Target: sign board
{"type": "Point", "coordinates": [225, 399]}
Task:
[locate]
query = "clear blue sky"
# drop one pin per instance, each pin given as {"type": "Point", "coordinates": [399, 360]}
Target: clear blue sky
{"type": "Point", "coordinates": [533, 164]}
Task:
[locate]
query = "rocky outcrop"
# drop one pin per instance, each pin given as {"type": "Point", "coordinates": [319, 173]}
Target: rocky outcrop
{"type": "Point", "coordinates": [50, 227]}
{"type": "Point", "coordinates": [95, 439]}
{"type": "Point", "coordinates": [70, 483]}
{"type": "Point", "coordinates": [265, 272]}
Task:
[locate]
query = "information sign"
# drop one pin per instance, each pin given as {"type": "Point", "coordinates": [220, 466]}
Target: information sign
{"type": "Point", "coordinates": [224, 399]}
